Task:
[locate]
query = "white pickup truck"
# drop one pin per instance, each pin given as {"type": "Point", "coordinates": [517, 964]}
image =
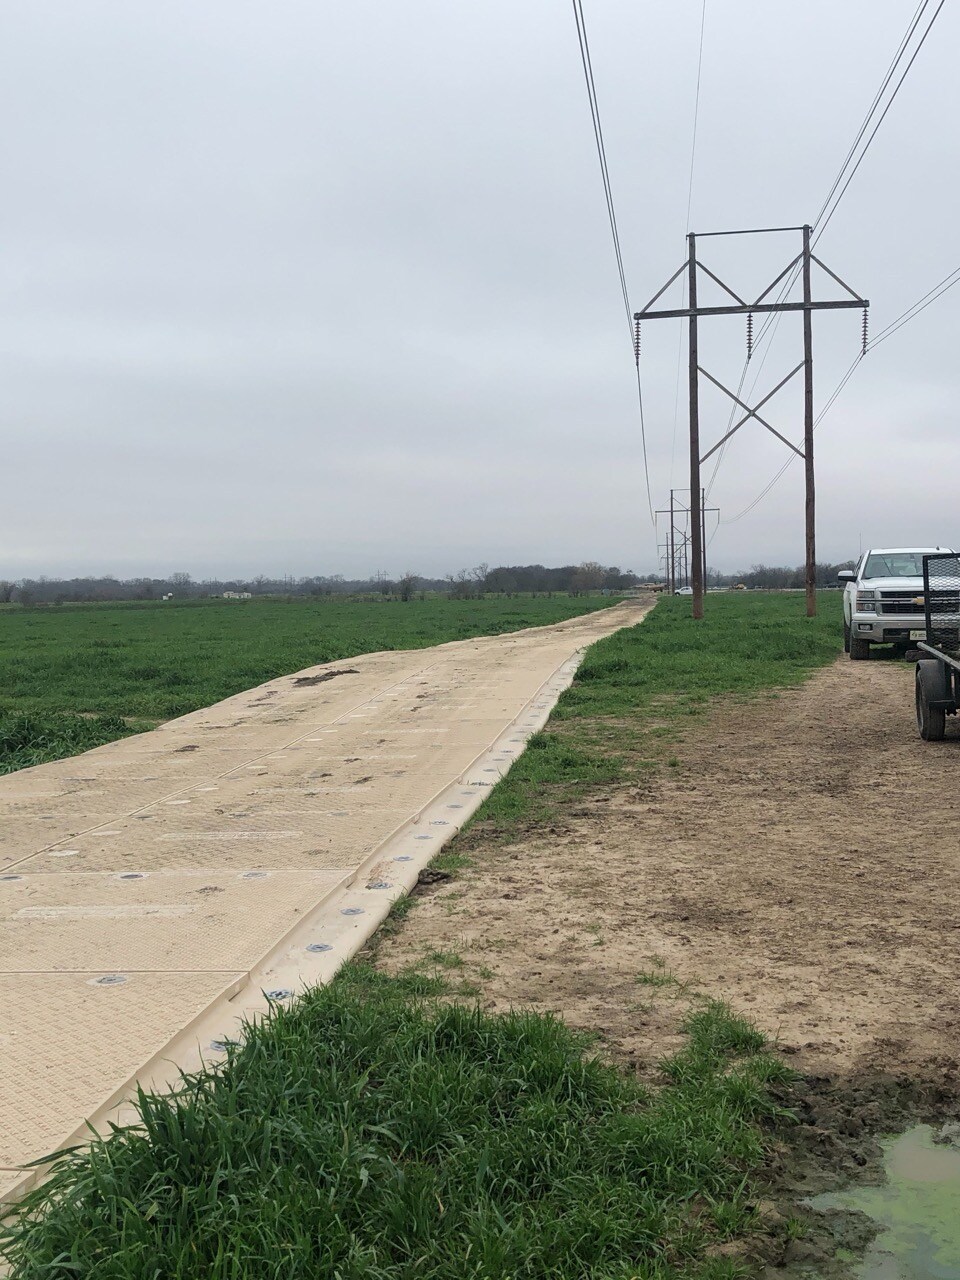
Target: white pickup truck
{"type": "Point", "coordinates": [883, 599]}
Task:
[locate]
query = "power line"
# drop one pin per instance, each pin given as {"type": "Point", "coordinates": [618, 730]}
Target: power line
{"type": "Point", "coordinates": [762, 494]}
{"type": "Point", "coordinates": [774, 319]}
{"type": "Point", "coordinates": [836, 392]}
{"type": "Point", "coordinates": [612, 216]}
{"type": "Point", "coordinates": [905, 317]}
{"type": "Point", "coordinates": [723, 448]}
{"type": "Point", "coordinates": [676, 394]}
{"type": "Point", "coordinates": [686, 228]}
{"type": "Point", "coordinates": [883, 116]}
{"type": "Point", "coordinates": [601, 153]}
{"type": "Point", "coordinates": [786, 466]}
{"type": "Point", "coordinates": [696, 113]}
{"type": "Point", "coordinates": [912, 26]}
{"type": "Point", "coordinates": [772, 323]}
{"type": "Point", "coordinates": [921, 304]}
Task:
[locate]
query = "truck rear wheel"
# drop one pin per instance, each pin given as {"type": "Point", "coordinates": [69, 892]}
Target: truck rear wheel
{"type": "Point", "coordinates": [859, 649]}
{"type": "Point", "coordinates": [931, 721]}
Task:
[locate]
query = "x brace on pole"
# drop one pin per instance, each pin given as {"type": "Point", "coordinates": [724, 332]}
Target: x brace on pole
{"type": "Point", "coordinates": [751, 413]}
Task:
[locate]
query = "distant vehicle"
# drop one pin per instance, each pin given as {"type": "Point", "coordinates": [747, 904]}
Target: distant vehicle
{"type": "Point", "coordinates": [741, 586]}
{"type": "Point", "coordinates": [883, 599]}
{"type": "Point", "coordinates": [684, 591]}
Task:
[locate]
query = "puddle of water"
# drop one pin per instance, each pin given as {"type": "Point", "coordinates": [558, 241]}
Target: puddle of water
{"type": "Point", "coordinates": [918, 1209]}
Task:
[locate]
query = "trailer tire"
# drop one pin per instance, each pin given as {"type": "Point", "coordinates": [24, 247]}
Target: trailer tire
{"type": "Point", "coordinates": [846, 638]}
{"type": "Point", "coordinates": [931, 721]}
{"type": "Point", "coordinates": [859, 649]}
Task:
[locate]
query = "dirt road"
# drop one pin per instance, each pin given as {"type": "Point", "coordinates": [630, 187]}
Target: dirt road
{"type": "Point", "coordinates": [803, 862]}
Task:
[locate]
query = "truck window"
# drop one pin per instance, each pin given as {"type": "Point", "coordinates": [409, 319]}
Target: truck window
{"type": "Point", "coordinates": [894, 564]}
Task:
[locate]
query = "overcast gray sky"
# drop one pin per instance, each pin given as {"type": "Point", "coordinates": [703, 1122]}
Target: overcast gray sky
{"type": "Point", "coordinates": [313, 288]}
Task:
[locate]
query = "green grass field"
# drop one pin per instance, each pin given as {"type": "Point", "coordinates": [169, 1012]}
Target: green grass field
{"type": "Point", "coordinates": [74, 677]}
{"type": "Point", "coordinates": [639, 689]}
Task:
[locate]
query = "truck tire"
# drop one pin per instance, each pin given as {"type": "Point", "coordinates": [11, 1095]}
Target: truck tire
{"type": "Point", "coordinates": [931, 721]}
{"type": "Point", "coordinates": [859, 649]}
{"type": "Point", "coordinates": [846, 638]}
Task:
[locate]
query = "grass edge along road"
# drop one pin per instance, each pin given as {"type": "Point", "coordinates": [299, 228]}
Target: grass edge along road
{"type": "Point", "coordinates": [639, 690]}
{"type": "Point", "coordinates": [76, 678]}
{"type": "Point", "coordinates": [376, 1131]}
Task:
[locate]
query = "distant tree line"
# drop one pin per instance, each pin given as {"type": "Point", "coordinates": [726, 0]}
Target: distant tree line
{"type": "Point", "coordinates": [774, 577]}
{"type": "Point", "coordinates": [770, 577]}
{"type": "Point", "coordinates": [466, 584]}
{"type": "Point", "coordinates": [536, 579]}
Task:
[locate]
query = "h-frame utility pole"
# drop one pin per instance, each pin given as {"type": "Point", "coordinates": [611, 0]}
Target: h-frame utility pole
{"type": "Point", "coordinates": [675, 560]}
{"type": "Point", "coordinates": [676, 540]}
{"type": "Point", "coordinates": [692, 312]}
{"type": "Point", "coordinates": [680, 536]}
{"type": "Point", "coordinates": [676, 563]}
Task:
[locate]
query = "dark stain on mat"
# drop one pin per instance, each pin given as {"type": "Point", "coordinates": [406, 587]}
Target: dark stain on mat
{"type": "Point", "coordinates": [325, 675]}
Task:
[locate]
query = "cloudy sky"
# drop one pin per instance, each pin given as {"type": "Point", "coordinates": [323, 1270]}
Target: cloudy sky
{"type": "Point", "coordinates": [298, 287]}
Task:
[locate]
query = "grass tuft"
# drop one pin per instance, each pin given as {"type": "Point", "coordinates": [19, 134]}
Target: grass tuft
{"type": "Point", "coordinates": [376, 1131]}
{"type": "Point", "coordinates": [29, 739]}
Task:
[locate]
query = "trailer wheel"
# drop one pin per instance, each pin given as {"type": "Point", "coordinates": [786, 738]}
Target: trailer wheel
{"type": "Point", "coordinates": [931, 721]}
{"type": "Point", "coordinates": [859, 649]}
{"type": "Point", "coordinates": [846, 638]}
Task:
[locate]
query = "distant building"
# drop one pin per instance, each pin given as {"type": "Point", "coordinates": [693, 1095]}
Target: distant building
{"type": "Point", "coordinates": [237, 595]}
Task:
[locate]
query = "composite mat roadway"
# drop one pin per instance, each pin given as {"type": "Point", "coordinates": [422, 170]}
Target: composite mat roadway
{"type": "Point", "coordinates": [156, 891]}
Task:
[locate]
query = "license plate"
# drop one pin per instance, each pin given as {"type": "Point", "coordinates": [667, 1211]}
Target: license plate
{"type": "Point", "coordinates": [918, 635]}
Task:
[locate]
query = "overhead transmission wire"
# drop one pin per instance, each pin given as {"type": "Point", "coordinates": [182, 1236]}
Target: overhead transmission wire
{"type": "Point", "coordinates": [890, 102]}
{"type": "Point", "coordinates": [783, 470]}
{"type": "Point", "coordinates": [912, 26]}
{"type": "Point", "coordinates": [921, 304]}
{"type": "Point", "coordinates": [686, 228]}
{"type": "Point", "coordinates": [774, 318]}
{"type": "Point", "coordinates": [612, 217]}
{"type": "Point", "coordinates": [905, 317]}
{"type": "Point", "coordinates": [825, 215]}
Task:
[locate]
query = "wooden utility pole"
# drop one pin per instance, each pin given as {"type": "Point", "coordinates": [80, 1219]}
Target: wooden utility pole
{"type": "Point", "coordinates": [809, 483]}
{"type": "Point", "coordinates": [693, 312]}
{"type": "Point", "coordinates": [703, 534]}
{"type": "Point", "coordinates": [696, 524]}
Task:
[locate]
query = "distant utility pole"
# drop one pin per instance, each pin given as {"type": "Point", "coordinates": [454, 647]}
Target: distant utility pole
{"type": "Point", "coordinates": [674, 560]}
{"type": "Point", "coordinates": [692, 312]}
{"type": "Point", "coordinates": [680, 538]}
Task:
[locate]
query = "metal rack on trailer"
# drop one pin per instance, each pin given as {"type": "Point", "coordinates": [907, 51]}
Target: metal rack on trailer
{"type": "Point", "coordinates": [938, 674]}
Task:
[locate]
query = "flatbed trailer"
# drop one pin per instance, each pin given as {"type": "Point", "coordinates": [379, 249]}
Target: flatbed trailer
{"type": "Point", "coordinates": [938, 674]}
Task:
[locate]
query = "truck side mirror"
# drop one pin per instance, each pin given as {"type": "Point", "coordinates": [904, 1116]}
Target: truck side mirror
{"type": "Point", "coordinates": [847, 575]}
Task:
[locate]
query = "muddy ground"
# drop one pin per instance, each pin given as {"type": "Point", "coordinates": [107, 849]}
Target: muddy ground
{"type": "Point", "coordinates": [801, 862]}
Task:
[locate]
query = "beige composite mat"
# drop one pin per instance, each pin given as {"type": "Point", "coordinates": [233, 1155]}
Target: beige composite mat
{"type": "Point", "coordinates": [157, 890]}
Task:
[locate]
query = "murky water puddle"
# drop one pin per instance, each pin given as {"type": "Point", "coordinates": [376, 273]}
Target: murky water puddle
{"type": "Point", "coordinates": [918, 1209]}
